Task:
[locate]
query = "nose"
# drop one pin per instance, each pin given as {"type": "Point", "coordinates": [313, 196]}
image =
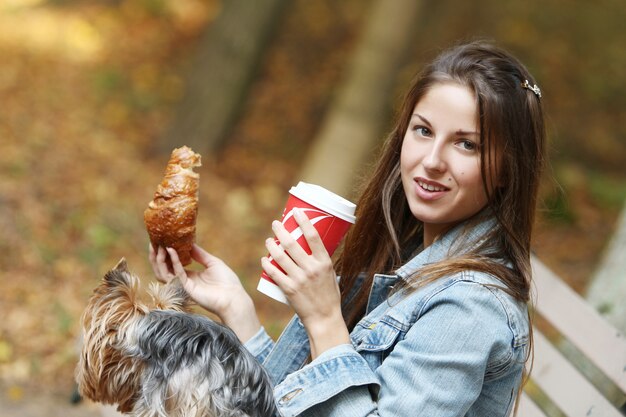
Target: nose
{"type": "Point", "coordinates": [434, 160]}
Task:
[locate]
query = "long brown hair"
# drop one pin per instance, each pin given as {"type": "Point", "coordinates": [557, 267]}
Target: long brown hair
{"type": "Point", "coordinates": [511, 126]}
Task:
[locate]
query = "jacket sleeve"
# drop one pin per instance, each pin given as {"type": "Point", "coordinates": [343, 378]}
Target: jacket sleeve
{"type": "Point", "coordinates": [436, 370]}
{"type": "Point", "coordinates": [327, 377]}
{"type": "Point", "coordinates": [260, 345]}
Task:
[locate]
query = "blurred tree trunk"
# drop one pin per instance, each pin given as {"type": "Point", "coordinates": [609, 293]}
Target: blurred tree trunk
{"type": "Point", "coordinates": [221, 73]}
{"type": "Point", "coordinates": [354, 123]}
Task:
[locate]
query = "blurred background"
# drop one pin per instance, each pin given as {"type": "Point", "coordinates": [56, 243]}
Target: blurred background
{"type": "Point", "coordinates": [95, 94]}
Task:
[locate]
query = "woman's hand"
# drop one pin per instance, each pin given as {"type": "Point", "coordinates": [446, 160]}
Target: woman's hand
{"type": "Point", "coordinates": [309, 283]}
{"type": "Point", "coordinates": [217, 288]}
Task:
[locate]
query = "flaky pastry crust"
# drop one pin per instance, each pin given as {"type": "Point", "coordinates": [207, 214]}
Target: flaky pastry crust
{"type": "Point", "coordinates": [171, 216]}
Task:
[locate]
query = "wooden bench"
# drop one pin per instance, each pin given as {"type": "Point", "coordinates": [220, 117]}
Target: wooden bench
{"type": "Point", "coordinates": [557, 385]}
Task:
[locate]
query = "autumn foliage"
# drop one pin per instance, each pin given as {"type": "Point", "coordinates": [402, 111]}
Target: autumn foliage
{"type": "Point", "coordinates": [87, 87]}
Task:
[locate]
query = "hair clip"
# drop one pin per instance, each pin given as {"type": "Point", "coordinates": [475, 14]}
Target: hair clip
{"type": "Point", "coordinates": [534, 88]}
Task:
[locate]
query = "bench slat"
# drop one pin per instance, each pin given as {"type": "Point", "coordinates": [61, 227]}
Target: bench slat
{"type": "Point", "coordinates": [604, 345]}
{"type": "Point", "coordinates": [564, 385]}
{"type": "Point", "coordinates": [528, 408]}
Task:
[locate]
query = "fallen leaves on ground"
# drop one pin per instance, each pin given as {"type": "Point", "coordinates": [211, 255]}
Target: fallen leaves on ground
{"type": "Point", "coordinates": [86, 87]}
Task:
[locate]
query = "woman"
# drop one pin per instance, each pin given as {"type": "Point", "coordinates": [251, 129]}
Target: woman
{"type": "Point", "coordinates": [430, 315]}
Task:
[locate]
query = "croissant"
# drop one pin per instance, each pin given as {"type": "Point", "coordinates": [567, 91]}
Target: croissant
{"type": "Point", "coordinates": [171, 216]}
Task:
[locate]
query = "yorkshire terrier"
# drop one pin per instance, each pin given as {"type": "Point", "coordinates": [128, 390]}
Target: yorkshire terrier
{"type": "Point", "coordinates": [165, 361]}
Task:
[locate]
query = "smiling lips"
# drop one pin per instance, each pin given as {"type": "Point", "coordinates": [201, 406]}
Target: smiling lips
{"type": "Point", "coordinates": [429, 190]}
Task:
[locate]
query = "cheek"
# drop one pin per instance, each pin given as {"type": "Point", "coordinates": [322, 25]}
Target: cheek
{"type": "Point", "coordinates": [407, 167]}
{"type": "Point", "coordinates": [405, 159]}
{"type": "Point", "coordinates": [470, 178]}
{"type": "Point", "coordinates": [411, 153]}
{"type": "Point", "coordinates": [467, 170]}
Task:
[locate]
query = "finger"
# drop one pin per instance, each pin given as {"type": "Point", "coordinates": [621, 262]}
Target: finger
{"type": "Point", "coordinates": [203, 257]}
{"type": "Point", "coordinates": [179, 270]}
{"type": "Point", "coordinates": [288, 243]}
{"type": "Point", "coordinates": [282, 258]}
{"type": "Point", "coordinates": [162, 270]}
{"type": "Point", "coordinates": [278, 276]}
{"type": "Point", "coordinates": [152, 257]}
{"type": "Point", "coordinates": [310, 233]}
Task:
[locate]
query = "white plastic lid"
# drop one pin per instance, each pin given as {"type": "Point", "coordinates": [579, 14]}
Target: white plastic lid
{"type": "Point", "coordinates": [325, 200]}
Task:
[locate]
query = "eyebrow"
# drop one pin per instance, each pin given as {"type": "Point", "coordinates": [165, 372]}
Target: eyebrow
{"type": "Point", "coordinates": [459, 132]}
{"type": "Point", "coordinates": [465, 132]}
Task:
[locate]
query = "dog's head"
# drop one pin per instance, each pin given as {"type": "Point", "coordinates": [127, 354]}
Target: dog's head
{"type": "Point", "coordinates": [103, 373]}
{"type": "Point", "coordinates": [164, 361]}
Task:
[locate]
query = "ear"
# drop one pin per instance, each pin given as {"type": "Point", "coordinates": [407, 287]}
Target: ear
{"type": "Point", "coordinates": [121, 266]}
{"type": "Point", "coordinates": [171, 296]}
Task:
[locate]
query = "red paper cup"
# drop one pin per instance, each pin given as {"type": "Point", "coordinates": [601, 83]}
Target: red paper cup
{"type": "Point", "coordinates": [331, 215]}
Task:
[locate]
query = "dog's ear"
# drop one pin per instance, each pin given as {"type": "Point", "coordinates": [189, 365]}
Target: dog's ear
{"type": "Point", "coordinates": [121, 266]}
{"type": "Point", "coordinates": [119, 275]}
{"type": "Point", "coordinates": [171, 296]}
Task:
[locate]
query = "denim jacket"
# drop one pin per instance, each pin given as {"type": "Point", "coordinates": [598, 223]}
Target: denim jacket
{"type": "Point", "coordinates": [454, 347]}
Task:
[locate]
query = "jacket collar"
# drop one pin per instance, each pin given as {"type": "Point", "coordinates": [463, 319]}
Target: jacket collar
{"type": "Point", "coordinates": [447, 245]}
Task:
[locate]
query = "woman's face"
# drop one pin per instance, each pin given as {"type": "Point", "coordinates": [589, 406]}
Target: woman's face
{"type": "Point", "coordinates": [440, 159]}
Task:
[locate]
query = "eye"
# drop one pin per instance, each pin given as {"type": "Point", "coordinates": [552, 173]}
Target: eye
{"type": "Point", "coordinates": [422, 130]}
{"type": "Point", "coordinates": [467, 145]}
